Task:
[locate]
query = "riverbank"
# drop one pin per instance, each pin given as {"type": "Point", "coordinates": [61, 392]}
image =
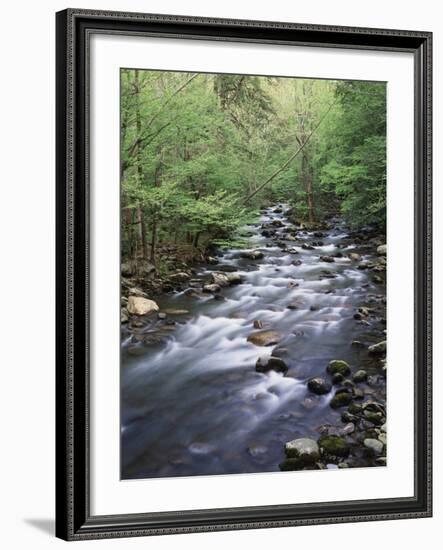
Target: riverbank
{"type": "Point", "coordinates": [266, 358]}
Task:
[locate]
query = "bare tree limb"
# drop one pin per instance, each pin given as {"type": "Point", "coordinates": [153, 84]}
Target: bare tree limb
{"type": "Point", "coordinates": [291, 158]}
{"type": "Point", "coordinates": [141, 139]}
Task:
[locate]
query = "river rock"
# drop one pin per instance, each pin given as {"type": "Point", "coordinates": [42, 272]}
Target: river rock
{"type": "Point", "coordinates": [211, 288]}
{"type": "Point", "coordinates": [328, 259]}
{"type": "Point", "coordinates": [127, 269]}
{"type": "Point", "coordinates": [252, 254]}
{"type": "Point", "coordinates": [276, 223]}
{"type": "Point", "coordinates": [220, 279]}
{"type": "Point", "coordinates": [382, 249]}
{"type": "Point", "coordinates": [377, 349]}
{"type": "Point", "coordinates": [180, 277]}
{"type": "Point", "coordinates": [176, 311]}
{"type": "Point", "coordinates": [124, 317]}
{"type": "Point", "coordinates": [357, 344]}
{"type": "Point", "coordinates": [374, 445]}
{"type": "Point", "coordinates": [161, 316]}
{"type": "Point", "coordinates": [305, 450]}
{"type": "Point", "coordinates": [374, 418]}
{"type": "Point", "coordinates": [347, 417]}
{"type": "Point", "coordinates": [141, 306]}
{"type": "Point", "coordinates": [135, 291]}
{"type": "Point", "coordinates": [333, 446]}
{"type": "Point", "coordinates": [360, 376]}
{"type": "Point", "coordinates": [267, 363]}
{"type": "Point", "coordinates": [307, 246]}
{"type": "Point", "coordinates": [354, 256]}
{"type": "Point", "coordinates": [192, 293]}
{"type": "Point", "coordinates": [373, 406]}
{"type": "Point", "coordinates": [291, 464]}
{"type": "Point", "coordinates": [359, 393]}
{"type": "Point", "coordinates": [355, 408]}
{"type": "Point", "coordinates": [319, 386]}
{"type": "Point", "coordinates": [259, 324]}
{"type": "Point", "coordinates": [342, 398]}
{"type": "Point", "coordinates": [280, 352]}
{"type": "Point", "coordinates": [140, 267]}
{"type": "Point", "coordinates": [265, 338]}
{"type": "Point", "coordinates": [338, 366]}
{"type": "Point", "coordinates": [348, 429]}
{"type": "Point", "coordinates": [337, 378]}
{"type": "Point", "coordinates": [234, 278]}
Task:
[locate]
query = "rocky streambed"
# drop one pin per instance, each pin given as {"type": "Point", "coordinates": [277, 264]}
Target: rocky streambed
{"type": "Point", "coordinates": [264, 358]}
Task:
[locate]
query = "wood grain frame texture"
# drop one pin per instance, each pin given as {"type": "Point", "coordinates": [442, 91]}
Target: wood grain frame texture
{"type": "Point", "coordinates": [73, 518]}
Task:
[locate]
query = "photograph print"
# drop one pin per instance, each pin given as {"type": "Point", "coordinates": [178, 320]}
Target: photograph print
{"type": "Point", "coordinates": [253, 274]}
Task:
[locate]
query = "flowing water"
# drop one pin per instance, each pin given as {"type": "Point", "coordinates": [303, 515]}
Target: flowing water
{"type": "Point", "coordinates": [196, 405]}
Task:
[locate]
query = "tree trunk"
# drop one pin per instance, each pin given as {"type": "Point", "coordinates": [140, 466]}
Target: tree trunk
{"type": "Point", "coordinates": [307, 180]}
{"type": "Point", "coordinates": [154, 240]}
{"type": "Point", "coordinates": [196, 238]}
{"type": "Point", "coordinates": [143, 234]}
{"type": "Point", "coordinates": [142, 244]}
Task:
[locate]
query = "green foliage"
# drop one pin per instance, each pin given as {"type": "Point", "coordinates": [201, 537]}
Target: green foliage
{"type": "Point", "coordinates": [355, 167]}
{"type": "Point", "coordinates": [194, 146]}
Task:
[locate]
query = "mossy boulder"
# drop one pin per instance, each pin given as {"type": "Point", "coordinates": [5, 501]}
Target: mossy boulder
{"type": "Point", "coordinates": [347, 417]}
{"type": "Point", "coordinates": [267, 363]}
{"type": "Point", "coordinates": [355, 408]}
{"type": "Point", "coordinates": [374, 417]}
{"type": "Point", "coordinates": [360, 376]}
{"type": "Point", "coordinates": [342, 398]}
{"type": "Point", "coordinates": [333, 446]}
{"type": "Point", "coordinates": [319, 386]}
{"type": "Point", "coordinates": [338, 366]}
{"type": "Point", "coordinates": [377, 349]}
{"type": "Point", "coordinates": [291, 464]}
{"type": "Point", "coordinates": [303, 449]}
{"type": "Point", "coordinates": [337, 378]}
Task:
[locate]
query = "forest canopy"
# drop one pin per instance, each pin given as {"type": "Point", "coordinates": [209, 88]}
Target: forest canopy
{"type": "Point", "coordinates": [201, 153]}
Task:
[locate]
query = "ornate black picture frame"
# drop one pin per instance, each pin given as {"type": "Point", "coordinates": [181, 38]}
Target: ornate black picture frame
{"type": "Point", "coordinates": [74, 520]}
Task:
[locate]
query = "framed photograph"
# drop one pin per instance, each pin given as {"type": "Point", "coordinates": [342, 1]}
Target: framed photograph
{"type": "Point", "coordinates": [243, 274]}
